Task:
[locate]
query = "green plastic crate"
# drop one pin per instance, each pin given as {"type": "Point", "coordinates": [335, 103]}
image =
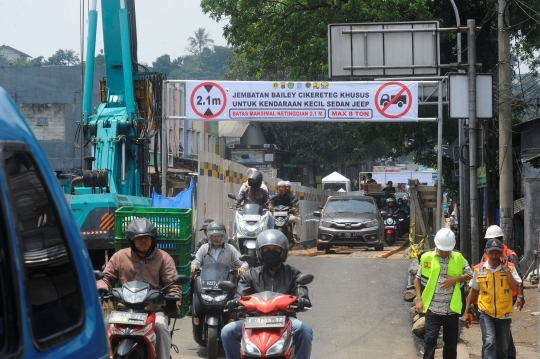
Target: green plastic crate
{"type": "Point", "coordinates": [171, 223]}
{"type": "Point", "coordinates": [185, 270]}
{"type": "Point", "coordinates": [179, 250]}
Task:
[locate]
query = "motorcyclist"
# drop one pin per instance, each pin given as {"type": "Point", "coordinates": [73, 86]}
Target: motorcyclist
{"type": "Point", "coordinates": [276, 276]}
{"type": "Point", "coordinates": [246, 185]}
{"type": "Point", "coordinates": [217, 250]}
{"type": "Point", "coordinates": [286, 198]}
{"type": "Point", "coordinates": [143, 261]}
{"type": "Point", "coordinates": [233, 242]}
{"type": "Point", "coordinates": [255, 194]}
{"type": "Point", "coordinates": [401, 206]}
{"type": "Point", "coordinates": [390, 207]}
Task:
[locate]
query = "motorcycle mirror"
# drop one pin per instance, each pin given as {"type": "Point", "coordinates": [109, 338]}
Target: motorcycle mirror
{"type": "Point", "coordinates": [321, 207]}
{"type": "Point", "coordinates": [180, 279]}
{"type": "Point", "coordinates": [245, 258]}
{"type": "Point", "coordinates": [98, 275]}
{"type": "Point", "coordinates": [305, 279]}
{"type": "Point", "coordinates": [226, 285]}
{"type": "Point", "coordinates": [317, 214]}
{"type": "Point", "coordinates": [231, 196]}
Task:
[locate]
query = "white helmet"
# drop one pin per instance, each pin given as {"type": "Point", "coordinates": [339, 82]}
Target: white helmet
{"type": "Point", "coordinates": [494, 232]}
{"type": "Point", "coordinates": [445, 240]}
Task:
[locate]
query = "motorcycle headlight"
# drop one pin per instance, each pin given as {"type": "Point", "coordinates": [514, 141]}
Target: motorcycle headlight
{"type": "Point", "coordinates": [220, 298]}
{"type": "Point", "coordinates": [389, 221]}
{"type": "Point", "coordinates": [131, 297]}
{"type": "Point", "coordinates": [207, 297]}
{"type": "Point", "coordinates": [370, 224]}
{"type": "Point", "coordinates": [278, 346]}
{"type": "Point", "coordinates": [327, 224]}
{"type": "Point", "coordinates": [249, 347]}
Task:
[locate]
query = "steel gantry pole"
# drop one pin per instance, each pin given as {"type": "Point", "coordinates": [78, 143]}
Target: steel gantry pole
{"type": "Point", "coordinates": [473, 185]}
{"type": "Point", "coordinates": [438, 216]}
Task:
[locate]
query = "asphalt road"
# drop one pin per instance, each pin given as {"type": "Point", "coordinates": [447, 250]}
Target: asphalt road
{"type": "Point", "coordinates": [358, 310]}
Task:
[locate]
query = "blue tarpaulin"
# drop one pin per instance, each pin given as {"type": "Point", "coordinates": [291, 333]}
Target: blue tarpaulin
{"type": "Point", "coordinates": [182, 199]}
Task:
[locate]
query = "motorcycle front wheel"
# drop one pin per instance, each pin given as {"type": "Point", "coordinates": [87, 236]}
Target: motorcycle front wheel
{"type": "Point", "coordinates": [212, 340]}
{"type": "Point", "coordinates": [390, 239]}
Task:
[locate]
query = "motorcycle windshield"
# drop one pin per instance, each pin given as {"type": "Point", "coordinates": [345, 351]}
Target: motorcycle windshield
{"type": "Point", "coordinates": [215, 271]}
{"type": "Point", "coordinates": [251, 208]}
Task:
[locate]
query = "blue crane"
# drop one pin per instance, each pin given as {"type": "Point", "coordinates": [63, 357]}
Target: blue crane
{"type": "Point", "coordinates": [120, 131]}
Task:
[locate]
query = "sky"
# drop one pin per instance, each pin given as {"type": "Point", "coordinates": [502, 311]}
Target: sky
{"type": "Point", "coordinates": [40, 28]}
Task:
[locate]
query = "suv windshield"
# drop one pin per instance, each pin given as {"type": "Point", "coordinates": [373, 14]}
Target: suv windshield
{"type": "Point", "coordinates": [350, 206]}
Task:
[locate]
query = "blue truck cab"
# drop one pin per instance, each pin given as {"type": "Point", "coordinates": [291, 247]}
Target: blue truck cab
{"type": "Point", "coordinates": [49, 305]}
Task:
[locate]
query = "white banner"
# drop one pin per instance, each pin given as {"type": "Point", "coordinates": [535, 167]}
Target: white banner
{"type": "Point", "coordinates": [402, 177]}
{"type": "Point", "coordinates": [302, 101]}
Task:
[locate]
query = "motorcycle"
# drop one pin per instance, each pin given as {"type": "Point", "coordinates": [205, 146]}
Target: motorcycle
{"type": "Point", "coordinates": [209, 301]}
{"type": "Point", "coordinates": [404, 222]}
{"type": "Point", "coordinates": [281, 222]}
{"type": "Point", "coordinates": [131, 329]}
{"type": "Point", "coordinates": [267, 331]}
{"type": "Point", "coordinates": [251, 219]}
{"type": "Point", "coordinates": [390, 227]}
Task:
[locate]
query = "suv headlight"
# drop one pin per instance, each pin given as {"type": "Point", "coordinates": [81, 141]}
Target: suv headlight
{"type": "Point", "coordinates": [370, 224]}
{"type": "Point", "coordinates": [327, 224]}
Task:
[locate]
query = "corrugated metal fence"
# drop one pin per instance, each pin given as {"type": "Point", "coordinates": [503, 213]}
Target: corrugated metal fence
{"type": "Point", "coordinates": [218, 176]}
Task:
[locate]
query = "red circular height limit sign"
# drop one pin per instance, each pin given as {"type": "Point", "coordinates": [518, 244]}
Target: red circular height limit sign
{"type": "Point", "coordinates": [208, 100]}
{"type": "Point", "coordinates": [395, 101]}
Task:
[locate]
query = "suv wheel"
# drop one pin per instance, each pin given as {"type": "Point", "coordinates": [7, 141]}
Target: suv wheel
{"type": "Point", "coordinates": [379, 247]}
{"type": "Point", "coordinates": [320, 247]}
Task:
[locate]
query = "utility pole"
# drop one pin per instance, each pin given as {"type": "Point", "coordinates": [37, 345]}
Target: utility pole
{"type": "Point", "coordinates": [506, 184]}
{"type": "Point", "coordinates": [473, 123]}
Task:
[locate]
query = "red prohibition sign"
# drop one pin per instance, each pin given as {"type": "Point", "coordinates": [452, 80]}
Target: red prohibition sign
{"type": "Point", "coordinates": [393, 99]}
{"type": "Point", "coordinates": [208, 86]}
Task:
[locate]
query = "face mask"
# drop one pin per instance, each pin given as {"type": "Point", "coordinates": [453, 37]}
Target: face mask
{"type": "Point", "coordinates": [271, 258]}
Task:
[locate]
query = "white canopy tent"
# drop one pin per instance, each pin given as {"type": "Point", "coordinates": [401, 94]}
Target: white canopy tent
{"type": "Point", "coordinates": [336, 181]}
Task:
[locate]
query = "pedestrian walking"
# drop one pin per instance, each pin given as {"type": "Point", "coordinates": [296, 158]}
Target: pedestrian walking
{"type": "Point", "coordinates": [438, 293]}
{"type": "Point", "coordinates": [492, 285]}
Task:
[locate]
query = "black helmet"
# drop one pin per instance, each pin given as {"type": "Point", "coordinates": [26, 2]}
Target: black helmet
{"type": "Point", "coordinates": [400, 200]}
{"type": "Point", "coordinates": [272, 237]}
{"type": "Point", "coordinates": [255, 179]}
{"type": "Point", "coordinates": [141, 227]}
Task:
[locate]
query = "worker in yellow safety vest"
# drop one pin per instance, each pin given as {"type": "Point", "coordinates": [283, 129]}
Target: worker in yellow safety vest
{"type": "Point", "coordinates": [438, 293]}
{"type": "Point", "coordinates": [492, 285]}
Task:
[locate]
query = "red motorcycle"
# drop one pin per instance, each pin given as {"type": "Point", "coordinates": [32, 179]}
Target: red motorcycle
{"type": "Point", "coordinates": [267, 331]}
{"type": "Point", "coordinates": [131, 329]}
{"type": "Point", "coordinates": [390, 227]}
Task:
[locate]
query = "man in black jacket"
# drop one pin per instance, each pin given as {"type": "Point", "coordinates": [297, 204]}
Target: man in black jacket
{"type": "Point", "coordinates": [285, 198]}
{"type": "Point", "coordinates": [276, 276]}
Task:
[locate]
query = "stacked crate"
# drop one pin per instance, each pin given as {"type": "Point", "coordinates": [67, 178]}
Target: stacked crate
{"type": "Point", "coordinates": [174, 230]}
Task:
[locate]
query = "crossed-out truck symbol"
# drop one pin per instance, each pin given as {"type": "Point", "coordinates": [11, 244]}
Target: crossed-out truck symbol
{"type": "Point", "coordinates": [400, 101]}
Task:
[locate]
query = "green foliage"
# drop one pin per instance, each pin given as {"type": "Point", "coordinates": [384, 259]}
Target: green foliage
{"type": "Point", "coordinates": [199, 42]}
{"type": "Point", "coordinates": [63, 57]}
{"type": "Point", "coordinates": [210, 64]}
{"type": "Point", "coordinates": [22, 62]}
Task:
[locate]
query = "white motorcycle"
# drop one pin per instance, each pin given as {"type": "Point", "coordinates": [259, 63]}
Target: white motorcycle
{"type": "Point", "coordinates": [251, 219]}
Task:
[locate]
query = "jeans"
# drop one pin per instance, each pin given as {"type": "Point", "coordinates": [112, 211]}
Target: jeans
{"type": "Point", "coordinates": [450, 324]}
{"type": "Point", "coordinates": [163, 336]}
{"type": "Point", "coordinates": [495, 336]}
{"type": "Point", "coordinates": [302, 338]}
{"type": "Point", "coordinates": [270, 223]}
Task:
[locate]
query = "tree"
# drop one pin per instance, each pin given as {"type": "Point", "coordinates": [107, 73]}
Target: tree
{"type": "Point", "coordinates": [64, 57]}
{"type": "Point", "coordinates": [199, 42]}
